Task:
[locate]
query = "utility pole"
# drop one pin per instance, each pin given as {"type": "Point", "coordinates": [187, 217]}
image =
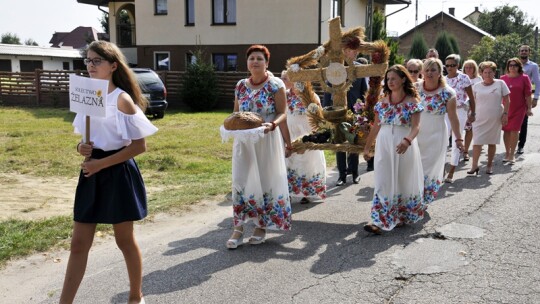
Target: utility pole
{"type": "Point", "coordinates": [416, 16]}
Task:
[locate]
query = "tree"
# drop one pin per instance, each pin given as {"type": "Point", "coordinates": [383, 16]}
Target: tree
{"type": "Point", "coordinates": [199, 90]}
{"type": "Point", "coordinates": [379, 33]}
{"type": "Point", "coordinates": [443, 45]}
{"type": "Point", "coordinates": [499, 50]}
{"type": "Point", "coordinates": [454, 43]}
{"type": "Point", "coordinates": [505, 20]}
{"type": "Point", "coordinates": [419, 46]}
{"type": "Point", "coordinates": [30, 41]}
{"type": "Point", "coordinates": [104, 20]}
{"type": "Point", "coordinates": [10, 38]}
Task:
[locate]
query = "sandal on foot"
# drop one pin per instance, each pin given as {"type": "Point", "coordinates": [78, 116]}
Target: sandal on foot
{"type": "Point", "coordinates": [505, 160]}
{"type": "Point", "coordinates": [256, 240]}
{"type": "Point", "coordinates": [234, 243]}
{"type": "Point", "coordinates": [304, 201]}
{"type": "Point", "coordinates": [448, 180]}
{"type": "Point", "coordinates": [373, 229]}
{"type": "Point", "coordinates": [466, 157]}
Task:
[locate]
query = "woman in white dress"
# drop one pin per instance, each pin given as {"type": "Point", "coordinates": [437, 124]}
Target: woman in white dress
{"type": "Point", "coordinates": [260, 189]}
{"type": "Point", "coordinates": [465, 106]}
{"type": "Point", "coordinates": [491, 114]}
{"type": "Point", "coordinates": [438, 99]}
{"type": "Point", "coordinates": [471, 69]}
{"type": "Point", "coordinates": [306, 172]}
{"type": "Point", "coordinates": [399, 183]}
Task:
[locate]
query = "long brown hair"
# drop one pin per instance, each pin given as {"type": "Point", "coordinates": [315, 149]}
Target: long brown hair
{"type": "Point", "coordinates": [408, 85]}
{"type": "Point", "coordinates": [123, 77]}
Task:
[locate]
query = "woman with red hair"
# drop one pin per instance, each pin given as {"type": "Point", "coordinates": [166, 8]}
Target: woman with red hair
{"type": "Point", "coordinates": [260, 189]}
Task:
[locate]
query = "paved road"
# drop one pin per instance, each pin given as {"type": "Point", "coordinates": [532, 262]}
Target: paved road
{"type": "Point", "coordinates": [479, 243]}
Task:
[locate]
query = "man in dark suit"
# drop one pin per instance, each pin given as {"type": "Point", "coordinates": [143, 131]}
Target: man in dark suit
{"type": "Point", "coordinates": [348, 164]}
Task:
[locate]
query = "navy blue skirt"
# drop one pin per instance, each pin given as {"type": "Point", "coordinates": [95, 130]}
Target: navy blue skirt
{"type": "Point", "coordinates": [113, 195]}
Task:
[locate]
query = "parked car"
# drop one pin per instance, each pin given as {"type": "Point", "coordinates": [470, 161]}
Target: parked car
{"type": "Point", "coordinates": [154, 90]}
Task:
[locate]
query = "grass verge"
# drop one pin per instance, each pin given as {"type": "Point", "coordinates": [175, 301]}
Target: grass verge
{"type": "Point", "coordinates": [186, 162]}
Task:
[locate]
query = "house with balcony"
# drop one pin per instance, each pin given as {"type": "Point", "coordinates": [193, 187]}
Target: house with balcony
{"type": "Point", "coordinates": [166, 35]}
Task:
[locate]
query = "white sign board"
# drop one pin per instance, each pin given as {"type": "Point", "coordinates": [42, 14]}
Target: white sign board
{"type": "Point", "coordinates": [88, 96]}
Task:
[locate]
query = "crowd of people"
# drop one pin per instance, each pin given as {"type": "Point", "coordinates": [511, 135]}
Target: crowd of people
{"type": "Point", "coordinates": [423, 104]}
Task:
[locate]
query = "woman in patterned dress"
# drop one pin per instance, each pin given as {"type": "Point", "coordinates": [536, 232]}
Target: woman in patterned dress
{"type": "Point", "coordinates": [306, 172]}
{"type": "Point", "coordinates": [461, 83]}
{"type": "Point", "coordinates": [521, 105]}
{"type": "Point", "coordinates": [399, 182]}
{"type": "Point", "coordinates": [260, 191]}
{"type": "Point", "coordinates": [438, 99]}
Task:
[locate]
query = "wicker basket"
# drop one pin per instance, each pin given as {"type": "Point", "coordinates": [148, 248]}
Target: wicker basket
{"type": "Point", "coordinates": [334, 114]}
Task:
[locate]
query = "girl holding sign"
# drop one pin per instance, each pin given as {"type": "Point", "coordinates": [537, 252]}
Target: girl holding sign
{"type": "Point", "coordinates": [110, 188]}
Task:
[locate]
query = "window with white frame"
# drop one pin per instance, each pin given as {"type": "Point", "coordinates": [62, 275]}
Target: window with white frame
{"type": "Point", "coordinates": [224, 12]}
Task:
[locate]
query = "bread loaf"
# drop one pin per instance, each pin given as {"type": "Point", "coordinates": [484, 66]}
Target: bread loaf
{"type": "Point", "coordinates": [243, 121]}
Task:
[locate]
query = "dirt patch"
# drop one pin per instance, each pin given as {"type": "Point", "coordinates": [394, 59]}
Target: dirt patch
{"type": "Point", "coordinates": [29, 197]}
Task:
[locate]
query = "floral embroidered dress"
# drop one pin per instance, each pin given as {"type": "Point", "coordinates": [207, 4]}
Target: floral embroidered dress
{"type": "Point", "coordinates": [399, 180]}
{"type": "Point", "coordinates": [459, 83]}
{"type": "Point", "coordinates": [306, 172]}
{"type": "Point", "coordinates": [433, 137]}
{"type": "Point", "coordinates": [259, 187]}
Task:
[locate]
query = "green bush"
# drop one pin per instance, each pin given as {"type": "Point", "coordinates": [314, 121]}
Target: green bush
{"type": "Point", "coordinates": [199, 90]}
{"type": "Point", "coordinates": [419, 47]}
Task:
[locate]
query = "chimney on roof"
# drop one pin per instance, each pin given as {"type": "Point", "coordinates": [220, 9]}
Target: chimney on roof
{"type": "Point", "coordinates": [476, 8]}
{"type": "Point", "coordinates": [452, 10]}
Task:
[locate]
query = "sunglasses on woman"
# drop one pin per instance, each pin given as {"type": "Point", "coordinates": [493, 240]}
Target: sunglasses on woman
{"type": "Point", "coordinates": [413, 71]}
{"type": "Point", "coordinates": [450, 65]}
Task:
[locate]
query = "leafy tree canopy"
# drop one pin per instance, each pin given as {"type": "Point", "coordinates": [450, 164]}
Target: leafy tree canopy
{"type": "Point", "coordinates": [10, 38]}
{"type": "Point", "coordinates": [499, 50]}
{"type": "Point", "coordinates": [30, 42]}
{"type": "Point", "coordinates": [379, 33]}
{"type": "Point", "coordinates": [505, 20]}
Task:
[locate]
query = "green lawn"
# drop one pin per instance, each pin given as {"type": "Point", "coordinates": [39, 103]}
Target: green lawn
{"type": "Point", "coordinates": [185, 163]}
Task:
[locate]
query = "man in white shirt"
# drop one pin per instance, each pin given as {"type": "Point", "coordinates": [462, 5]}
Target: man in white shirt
{"type": "Point", "coordinates": [531, 69]}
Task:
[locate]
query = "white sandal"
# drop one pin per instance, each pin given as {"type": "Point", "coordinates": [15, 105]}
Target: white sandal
{"type": "Point", "coordinates": [234, 243]}
{"type": "Point", "coordinates": [256, 240]}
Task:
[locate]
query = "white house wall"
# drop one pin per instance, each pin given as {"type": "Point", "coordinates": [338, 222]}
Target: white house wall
{"type": "Point", "coordinates": [170, 29]}
{"type": "Point", "coordinates": [251, 15]}
{"type": "Point", "coordinates": [49, 63]}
